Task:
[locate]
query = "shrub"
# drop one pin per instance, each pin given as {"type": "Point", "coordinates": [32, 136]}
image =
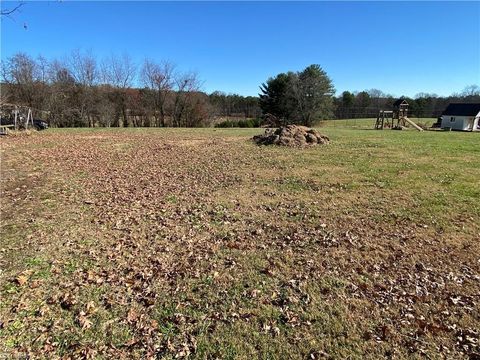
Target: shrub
{"type": "Point", "coordinates": [247, 123]}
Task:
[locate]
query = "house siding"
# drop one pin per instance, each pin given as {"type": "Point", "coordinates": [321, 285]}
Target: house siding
{"type": "Point", "coordinates": [464, 123]}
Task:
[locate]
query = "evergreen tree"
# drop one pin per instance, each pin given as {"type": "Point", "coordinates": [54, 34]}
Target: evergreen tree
{"type": "Point", "coordinates": [300, 98]}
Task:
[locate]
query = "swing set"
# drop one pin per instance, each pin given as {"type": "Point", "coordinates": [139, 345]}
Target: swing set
{"type": "Point", "coordinates": [16, 117]}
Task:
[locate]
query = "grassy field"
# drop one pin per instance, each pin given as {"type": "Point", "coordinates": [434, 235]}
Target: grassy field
{"type": "Point", "coordinates": [171, 243]}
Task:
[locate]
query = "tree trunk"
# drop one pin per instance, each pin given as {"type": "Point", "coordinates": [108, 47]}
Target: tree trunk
{"type": "Point", "coordinates": [125, 118]}
{"type": "Point", "coordinates": [162, 117]}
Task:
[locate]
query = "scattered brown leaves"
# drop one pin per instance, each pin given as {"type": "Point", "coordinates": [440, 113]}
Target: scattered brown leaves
{"type": "Point", "coordinates": [168, 240]}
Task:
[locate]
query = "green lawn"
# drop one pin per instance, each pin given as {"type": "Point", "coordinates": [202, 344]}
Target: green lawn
{"type": "Point", "coordinates": [196, 243]}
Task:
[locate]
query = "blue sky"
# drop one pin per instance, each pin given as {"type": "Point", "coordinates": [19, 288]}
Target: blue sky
{"type": "Point", "coordinates": [401, 48]}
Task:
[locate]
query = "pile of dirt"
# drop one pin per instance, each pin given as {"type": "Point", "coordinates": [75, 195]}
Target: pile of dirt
{"type": "Point", "coordinates": [291, 135]}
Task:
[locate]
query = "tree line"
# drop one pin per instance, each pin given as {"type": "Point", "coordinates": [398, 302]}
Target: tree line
{"type": "Point", "coordinates": [81, 90]}
{"type": "Point", "coordinates": [307, 96]}
{"type": "Point", "coordinates": [367, 103]}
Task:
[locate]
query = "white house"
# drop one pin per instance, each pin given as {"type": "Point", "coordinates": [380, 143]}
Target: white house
{"type": "Point", "coordinates": [464, 117]}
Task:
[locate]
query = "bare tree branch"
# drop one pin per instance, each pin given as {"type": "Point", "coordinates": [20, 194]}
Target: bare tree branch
{"type": "Point", "coordinates": [7, 12]}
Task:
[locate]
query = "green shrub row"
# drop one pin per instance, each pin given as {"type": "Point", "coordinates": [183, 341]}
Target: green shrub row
{"type": "Point", "coordinates": [247, 123]}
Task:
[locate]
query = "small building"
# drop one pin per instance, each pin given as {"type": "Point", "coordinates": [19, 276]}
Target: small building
{"type": "Point", "coordinates": [463, 117]}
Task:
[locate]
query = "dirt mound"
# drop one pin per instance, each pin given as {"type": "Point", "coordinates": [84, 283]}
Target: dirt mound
{"type": "Point", "coordinates": [291, 135]}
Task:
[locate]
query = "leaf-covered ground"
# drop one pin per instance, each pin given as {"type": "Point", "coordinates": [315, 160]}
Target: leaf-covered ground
{"type": "Point", "coordinates": [164, 243]}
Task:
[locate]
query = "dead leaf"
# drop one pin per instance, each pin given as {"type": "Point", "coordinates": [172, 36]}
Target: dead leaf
{"type": "Point", "coordinates": [132, 315]}
{"type": "Point", "coordinates": [21, 280]}
{"type": "Point", "coordinates": [91, 308]}
{"type": "Point", "coordinates": [67, 301]}
{"type": "Point", "coordinates": [83, 321]}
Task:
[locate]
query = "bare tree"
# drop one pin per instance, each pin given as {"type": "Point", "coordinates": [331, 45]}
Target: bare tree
{"type": "Point", "coordinates": [20, 68]}
{"type": "Point", "coordinates": [471, 90]}
{"type": "Point", "coordinates": [21, 73]}
{"type": "Point", "coordinates": [42, 65]}
{"type": "Point", "coordinates": [159, 78]}
{"type": "Point", "coordinates": [376, 96]}
{"type": "Point", "coordinates": [62, 102]}
{"type": "Point", "coordinates": [186, 85]}
{"type": "Point", "coordinates": [84, 69]}
{"type": "Point", "coordinates": [120, 73]}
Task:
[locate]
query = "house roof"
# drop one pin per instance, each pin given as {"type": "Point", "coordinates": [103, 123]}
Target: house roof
{"type": "Point", "coordinates": [399, 102]}
{"type": "Point", "coordinates": [459, 109]}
